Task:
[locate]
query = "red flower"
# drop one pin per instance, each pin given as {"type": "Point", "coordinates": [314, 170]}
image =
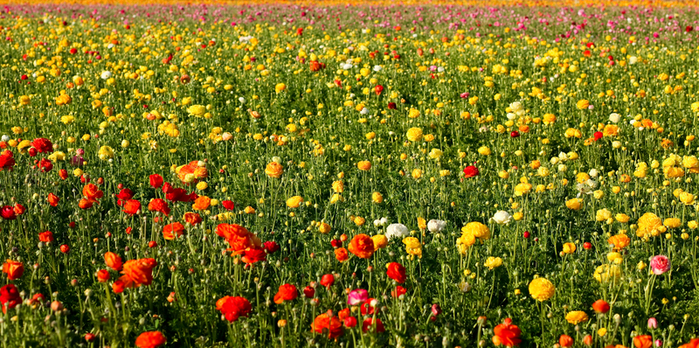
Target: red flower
{"type": "Point", "coordinates": [378, 89]}
{"type": "Point", "coordinates": [325, 323]}
{"type": "Point", "coordinates": [366, 307]}
{"type": "Point", "coordinates": [150, 339]}
{"type": "Point", "coordinates": [391, 106]}
{"type": "Point", "coordinates": [45, 165]}
{"type": "Point", "coordinates": [19, 209]}
{"type": "Point", "coordinates": [396, 271]}
{"type": "Point", "coordinates": [9, 297]}
{"type": "Point", "coordinates": [118, 286]}
{"type": "Point", "coordinates": [234, 307]}
{"type": "Point", "coordinates": [601, 306]}
{"type": "Point", "coordinates": [14, 269]}
{"type": "Point", "coordinates": [53, 199]}
{"type": "Point", "coordinates": [7, 160]}
{"type": "Point", "coordinates": [192, 218]}
{"type": "Point", "coordinates": [229, 205]}
{"type": "Point", "coordinates": [470, 172]}
{"type": "Point", "coordinates": [252, 255]}
{"type": "Point", "coordinates": [8, 213]}
{"type": "Point", "coordinates": [689, 28]}
{"type": "Point", "coordinates": [155, 180]}
{"type": "Point", "coordinates": [598, 135]}
{"type": "Point", "coordinates": [92, 193]}
{"type": "Point", "coordinates": [138, 272]}
{"type": "Point", "coordinates": [46, 237]}
{"type": "Point", "coordinates": [507, 334]}
{"type": "Point", "coordinates": [287, 292]}
{"type": "Point", "coordinates": [103, 276]}
{"type": "Point", "coordinates": [178, 194]}
{"type": "Point", "coordinates": [124, 195]}
{"type": "Point", "coordinates": [369, 324]}
{"type": "Point", "coordinates": [173, 230]}
{"type": "Point", "coordinates": [327, 280]}
{"type": "Point", "coordinates": [398, 291]}
{"type": "Point", "coordinates": [565, 341]}
{"type": "Point", "coordinates": [694, 343]}
{"type": "Point", "coordinates": [132, 206]}
{"type": "Point", "coordinates": [341, 254]}
{"type": "Point", "coordinates": [309, 292]}
{"type": "Point", "coordinates": [42, 145]}
{"type": "Point", "coordinates": [160, 205]}
{"type": "Point", "coordinates": [271, 247]}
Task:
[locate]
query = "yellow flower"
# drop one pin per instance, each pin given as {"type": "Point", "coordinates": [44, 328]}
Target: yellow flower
{"type": "Point", "coordinates": [615, 257]}
{"type": "Point", "coordinates": [201, 186]}
{"type": "Point", "coordinates": [414, 134]}
{"type": "Point", "coordinates": [294, 202]}
{"type": "Point", "coordinates": [522, 189]}
{"type": "Point", "coordinates": [380, 241]}
{"type": "Point", "coordinates": [692, 224]}
{"type": "Point", "coordinates": [687, 198]}
{"type": "Point", "coordinates": [105, 152]}
{"type": "Point", "coordinates": [376, 197]}
{"type": "Point", "coordinates": [324, 228]}
{"type": "Point", "coordinates": [606, 273]}
{"type": "Point", "coordinates": [493, 262]}
{"type": "Point", "coordinates": [672, 222]}
{"type": "Point", "coordinates": [574, 204]}
{"type": "Point", "coordinates": [197, 110]}
{"type": "Point", "coordinates": [569, 248]}
{"type": "Point", "coordinates": [576, 317]}
{"type": "Point", "coordinates": [413, 113]}
{"type": "Point", "coordinates": [541, 289]}
{"type": "Point", "coordinates": [484, 150]}
{"type": "Point", "coordinates": [477, 230]}
{"type": "Point", "coordinates": [582, 104]}
{"type": "Point", "coordinates": [413, 246]}
{"type": "Point", "coordinates": [649, 225]}
{"type": "Point", "coordinates": [274, 170]}
{"type": "Point", "coordinates": [603, 215]}
{"type": "Point", "coordinates": [279, 87]}
{"type": "Point", "coordinates": [364, 165]}
{"type": "Point", "coordinates": [338, 186]}
{"type": "Point", "coordinates": [359, 221]}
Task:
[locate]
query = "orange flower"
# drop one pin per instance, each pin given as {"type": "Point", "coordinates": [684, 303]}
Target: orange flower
{"type": "Point", "coordinates": [192, 218]}
{"type": "Point", "coordinates": [341, 254]}
{"type": "Point", "coordinates": [132, 206]}
{"type": "Point", "coordinates": [138, 272]}
{"type": "Point", "coordinates": [287, 292]}
{"type": "Point", "coordinates": [364, 165]}
{"type": "Point", "coordinates": [643, 341]}
{"type": "Point", "coordinates": [14, 269]}
{"type": "Point", "coordinates": [362, 246]}
{"type": "Point", "coordinates": [233, 307]}
{"type": "Point", "coordinates": [620, 241]}
{"type": "Point", "coordinates": [201, 203]}
{"type": "Point", "coordinates": [85, 203]}
{"type": "Point", "coordinates": [694, 343]}
{"type": "Point", "coordinates": [238, 237]}
{"type": "Point", "coordinates": [325, 323]}
{"type": "Point", "coordinates": [195, 170]}
{"type": "Point", "coordinates": [506, 334]}
{"type": "Point", "coordinates": [252, 255]}
{"type": "Point", "coordinates": [113, 261]}
{"type": "Point", "coordinates": [160, 205]}
{"type": "Point", "coordinates": [173, 230]}
{"type": "Point", "coordinates": [92, 193]}
{"type": "Point", "coordinates": [150, 339]}
{"type": "Point", "coordinates": [53, 199]}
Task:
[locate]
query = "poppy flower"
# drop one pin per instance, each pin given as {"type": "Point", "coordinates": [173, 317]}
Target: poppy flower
{"type": "Point", "coordinates": [396, 271]}
{"type": "Point", "coordinates": [398, 291]}
{"type": "Point", "coordinates": [507, 334]}
{"type": "Point", "coordinates": [46, 237]}
{"type": "Point", "coordinates": [113, 261]}
{"type": "Point", "coordinates": [234, 307]}
{"type": "Point", "coordinates": [150, 339]}
{"type": "Point", "coordinates": [9, 297]}
{"type": "Point", "coordinates": [138, 272]}
{"type": "Point", "coordinates": [471, 171]}
{"type": "Point", "coordinates": [326, 324]}
{"type": "Point", "coordinates": [362, 246]}
{"type": "Point", "coordinates": [601, 306]}
{"type": "Point", "coordinates": [8, 213]}
{"type": "Point", "coordinates": [327, 280]}
{"type": "Point", "coordinates": [173, 230]}
{"type": "Point", "coordinates": [229, 205]}
{"type": "Point", "coordinates": [155, 180]}
{"type": "Point", "coordinates": [160, 205]}
{"type": "Point", "coordinates": [287, 292]}
{"type": "Point", "coordinates": [42, 145]}
{"type": "Point", "coordinates": [643, 341]}
{"type": "Point", "coordinates": [341, 254]}
{"type": "Point", "coordinates": [14, 269]}
{"type": "Point", "coordinates": [132, 206]}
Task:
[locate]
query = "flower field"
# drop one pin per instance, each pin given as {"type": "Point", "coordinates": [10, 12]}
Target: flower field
{"type": "Point", "coordinates": [341, 175]}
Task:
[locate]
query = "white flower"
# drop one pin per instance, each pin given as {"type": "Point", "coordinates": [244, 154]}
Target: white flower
{"type": "Point", "coordinates": [554, 160]}
{"type": "Point", "coordinates": [396, 231]}
{"type": "Point", "coordinates": [436, 225]}
{"type": "Point", "coordinates": [241, 100]}
{"type": "Point", "coordinates": [110, 46]}
{"type": "Point", "coordinates": [377, 68]}
{"type": "Point", "coordinates": [5, 137]}
{"type": "Point", "coordinates": [614, 118]}
{"type": "Point", "coordinates": [106, 74]}
{"type": "Point", "coordinates": [516, 106]}
{"type": "Point", "coordinates": [633, 59]}
{"type": "Point", "coordinates": [616, 144]}
{"type": "Point", "coordinates": [346, 66]}
{"type": "Point", "coordinates": [364, 111]}
{"type": "Point", "coordinates": [440, 69]}
{"type": "Point", "coordinates": [593, 173]}
{"type": "Point", "coordinates": [380, 222]}
{"type": "Point", "coordinates": [511, 116]}
{"type": "Point", "coordinates": [501, 217]}
{"type": "Point", "coordinates": [563, 156]}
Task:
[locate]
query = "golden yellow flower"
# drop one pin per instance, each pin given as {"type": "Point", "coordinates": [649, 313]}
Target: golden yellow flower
{"type": "Point", "coordinates": [541, 289]}
{"type": "Point", "coordinates": [582, 104]}
{"type": "Point", "coordinates": [493, 262]}
{"type": "Point", "coordinates": [569, 248]}
{"type": "Point", "coordinates": [414, 134]}
{"type": "Point", "coordinates": [324, 228]}
{"type": "Point", "coordinates": [364, 165]}
{"type": "Point", "coordinates": [603, 215]}
{"type": "Point", "coordinates": [649, 225]}
{"type": "Point", "coordinates": [574, 203]}
{"type": "Point", "coordinates": [197, 110]}
{"type": "Point", "coordinates": [607, 272]}
{"type": "Point", "coordinates": [576, 317]}
{"type": "Point", "coordinates": [380, 241]}
{"type": "Point", "coordinates": [672, 222]}
{"type": "Point", "coordinates": [484, 150]}
{"type": "Point", "coordinates": [274, 170]}
{"type": "Point", "coordinates": [294, 202]}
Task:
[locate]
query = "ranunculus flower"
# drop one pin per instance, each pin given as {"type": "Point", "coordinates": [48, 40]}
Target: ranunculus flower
{"type": "Point", "coordinates": [471, 171]}
{"type": "Point", "coordinates": [150, 339]}
{"type": "Point", "coordinates": [502, 217]}
{"type": "Point", "coordinates": [357, 297]}
{"type": "Point", "coordinates": [362, 246]}
{"type": "Point", "coordinates": [396, 231]}
{"type": "Point", "coordinates": [435, 226]}
{"type": "Point", "coordinates": [287, 292]}
{"type": "Point", "coordinates": [660, 264]}
{"type": "Point", "coordinates": [396, 271]}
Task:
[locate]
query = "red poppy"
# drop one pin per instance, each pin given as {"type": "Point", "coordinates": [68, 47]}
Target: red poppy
{"type": "Point", "coordinates": [42, 145]}
{"type": "Point", "coordinates": [234, 307]}
{"type": "Point", "coordinates": [132, 206]}
{"type": "Point", "coordinates": [14, 269]}
{"type": "Point", "coordinates": [398, 291]}
{"type": "Point", "coordinates": [155, 180]}
{"type": "Point", "coordinates": [150, 339]}
{"type": "Point", "coordinates": [160, 205]}
{"type": "Point", "coordinates": [103, 276]}
{"type": "Point", "coordinates": [327, 324]}
{"type": "Point", "coordinates": [9, 297]}
{"type": "Point", "coordinates": [229, 205]}
{"type": "Point", "coordinates": [173, 230]}
{"type": "Point", "coordinates": [507, 334]}
{"type": "Point", "coordinates": [287, 292]}
{"type": "Point", "coordinates": [471, 171]}
{"type": "Point", "coordinates": [46, 237]}
{"type": "Point", "coordinates": [376, 326]}
{"type": "Point", "coordinates": [7, 160]}
{"type": "Point", "coordinates": [396, 271]}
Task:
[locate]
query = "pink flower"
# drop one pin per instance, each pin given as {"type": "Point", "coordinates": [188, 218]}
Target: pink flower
{"type": "Point", "coordinates": [660, 264]}
{"type": "Point", "coordinates": [357, 297]}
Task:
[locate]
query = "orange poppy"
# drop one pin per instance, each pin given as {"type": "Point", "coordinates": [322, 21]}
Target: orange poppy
{"type": "Point", "coordinates": [138, 272]}
{"type": "Point", "coordinates": [362, 246]}
{"type": "Point", "coordinates": [113, 261]}
{"type": "Point", "coordinates": [14, 269]}
{"type": "Point", "coordinates": [173, 230]}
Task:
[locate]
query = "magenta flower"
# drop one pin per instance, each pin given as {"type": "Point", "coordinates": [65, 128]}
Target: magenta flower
{"type": "Point", "coordinates": [357, 297]}
{"type": "Point", "coordinates": [660, 264]}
